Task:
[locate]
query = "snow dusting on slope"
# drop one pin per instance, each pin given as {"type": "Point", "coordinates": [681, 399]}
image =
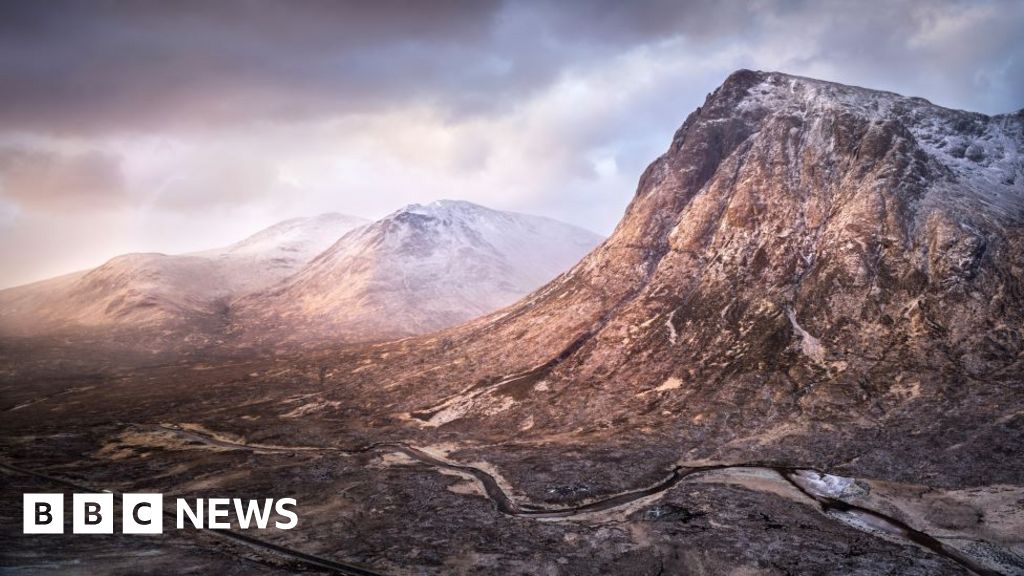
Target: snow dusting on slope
{"type": "Point", "coordinates": [421, 268]}
{"type": "Point", "coordinates": [151, 288]}
{"type": "Point", "coordinates": [980, 153]}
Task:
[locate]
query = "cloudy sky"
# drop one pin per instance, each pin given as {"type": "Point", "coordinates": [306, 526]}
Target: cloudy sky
{"type": "Point", "coordinates": [175, 126]}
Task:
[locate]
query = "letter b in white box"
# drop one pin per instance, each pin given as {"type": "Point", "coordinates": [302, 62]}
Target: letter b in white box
{"type": "Point", "coordinates": [142, 513]}
{"type": "Point", "coordinates": [93, 513]}
{"type": "Point", "coordinates": [42, 514]}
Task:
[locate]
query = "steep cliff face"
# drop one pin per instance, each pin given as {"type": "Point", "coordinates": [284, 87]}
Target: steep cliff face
{"type": "Point", "coordinates": [422, 268]}
{"type": "Point", "coordinates": [807, 259]}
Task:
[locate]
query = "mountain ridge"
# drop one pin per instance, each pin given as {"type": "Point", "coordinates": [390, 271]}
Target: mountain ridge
{"type": "Point", "coordinates": [421, 268]}
{"type": "Point", "coordinates": [149, 289]}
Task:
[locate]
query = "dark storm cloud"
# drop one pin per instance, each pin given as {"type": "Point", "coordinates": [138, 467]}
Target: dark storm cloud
{"type": "Point", "coordinates": [81, 65]}
{"type": "Point", "coordinates": [84, 66]}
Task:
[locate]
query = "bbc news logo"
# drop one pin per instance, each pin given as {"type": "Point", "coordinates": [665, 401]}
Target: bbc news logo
{"type": "Point", "coordinates": [144, 513]}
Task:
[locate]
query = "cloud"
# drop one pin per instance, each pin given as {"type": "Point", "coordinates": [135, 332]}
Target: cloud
{"type": "Point", "coordinates": [74, 66]}
{"type": "Point", "coordinates": [189, 124]}
{"type": "Point", "coordinates": [85, 67]}
{"type": "Point", "coordinates": [51, 181]}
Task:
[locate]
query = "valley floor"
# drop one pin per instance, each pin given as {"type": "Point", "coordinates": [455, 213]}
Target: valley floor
{"type": "Point", "coordinates": [377, 497]}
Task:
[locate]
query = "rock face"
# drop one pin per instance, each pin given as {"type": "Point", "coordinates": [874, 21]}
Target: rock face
{"type": "Point", "coordinates": [812, 269]}
{"type": "Point", "coordinates": [137, 290]}
{"type": "Point", "coordinates": [422, 268]}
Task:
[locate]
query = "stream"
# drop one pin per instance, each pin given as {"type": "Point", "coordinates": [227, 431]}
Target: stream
{"type": "Point", "coordinates": [835, 508]}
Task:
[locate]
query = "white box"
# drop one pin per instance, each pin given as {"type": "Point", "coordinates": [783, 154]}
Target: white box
{"type": "Point", "coordinates": [49, 507]}
{"type": "Point", "coordinates": [142, 514]}
{"type": "Point", "coordinates": [93, 513]}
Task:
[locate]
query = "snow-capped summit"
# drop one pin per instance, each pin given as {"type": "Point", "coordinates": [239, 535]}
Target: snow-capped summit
{"type": "Point", "coordinates": [147, 289]}
{"type": "Point", "coordinates": [423, 267]}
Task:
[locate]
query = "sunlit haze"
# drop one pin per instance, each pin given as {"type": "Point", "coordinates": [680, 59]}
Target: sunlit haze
{"type": "Point", "coordinates": [181, 126]}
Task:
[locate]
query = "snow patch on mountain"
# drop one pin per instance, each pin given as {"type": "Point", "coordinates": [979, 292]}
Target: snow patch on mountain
{"type": "Point", "coordinates": [421, 268]}
{"type": "Point", "coordinates": [273, 254]}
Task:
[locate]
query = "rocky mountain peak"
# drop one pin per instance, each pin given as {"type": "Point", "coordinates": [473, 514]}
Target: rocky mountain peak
{"type": "Point", "coordinates": [957, 145]}
{"type": "Point", "coordinates": [803, 252]}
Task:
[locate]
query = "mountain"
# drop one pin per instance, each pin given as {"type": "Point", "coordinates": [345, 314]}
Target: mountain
{"type": "Point", "coordinates": [153, 289]}
{"type": "Point", "coordinates": [813, 277]}
{"type": "Point", "coordinates": [800, 352]}
{"type": "Point", "coordinates": [419, 269]}
{"type": "Point", "coordinates": [273, 254]}
{"type": "Point", "coordinates": [812, 273]}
